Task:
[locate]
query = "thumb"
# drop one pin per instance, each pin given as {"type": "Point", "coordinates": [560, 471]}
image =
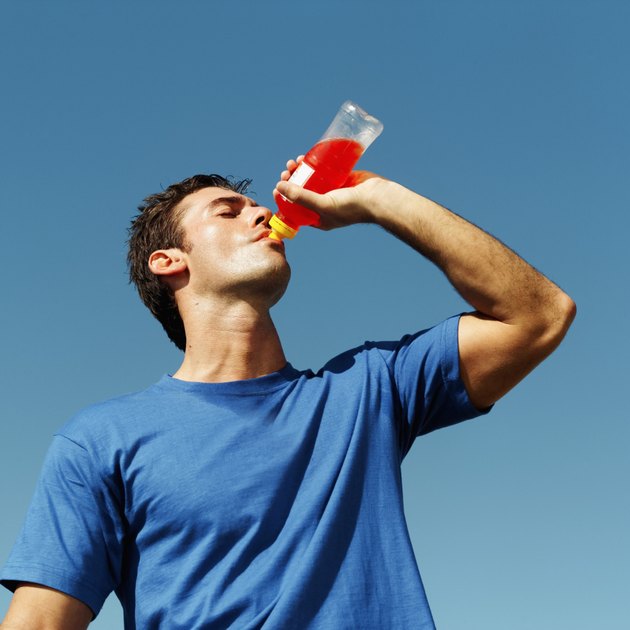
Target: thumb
{"type": "Point", "coordinates": [306, 198]}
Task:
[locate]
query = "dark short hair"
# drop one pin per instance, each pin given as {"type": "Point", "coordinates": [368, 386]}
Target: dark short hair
{"type": "Point", "coordinates": [157, 226]}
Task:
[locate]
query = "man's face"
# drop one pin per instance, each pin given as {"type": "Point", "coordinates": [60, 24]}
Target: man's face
{"type": "Point", "coordinates": [229, 251]}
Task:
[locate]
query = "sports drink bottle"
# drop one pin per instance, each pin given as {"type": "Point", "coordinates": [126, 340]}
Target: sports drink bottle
{"type": "Point", "coordinates": [326, 166]}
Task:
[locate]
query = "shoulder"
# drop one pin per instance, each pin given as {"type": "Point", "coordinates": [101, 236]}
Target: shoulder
{"type": "Point", "coordinates": [435, 341]}
{"type": "Point", "coordinates": [98, 423]}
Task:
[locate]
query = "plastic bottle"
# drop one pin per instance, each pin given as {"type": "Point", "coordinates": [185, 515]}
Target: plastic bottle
{"type": "Point", "coordinates": [326, 166]}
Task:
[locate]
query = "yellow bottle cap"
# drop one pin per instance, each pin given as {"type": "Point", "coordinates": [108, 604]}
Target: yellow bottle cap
{"type": "Point", "coordinates": [280, 229]}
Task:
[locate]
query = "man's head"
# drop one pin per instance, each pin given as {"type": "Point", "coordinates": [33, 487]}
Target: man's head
{"type": "Point", "coordinates": [192, 229]}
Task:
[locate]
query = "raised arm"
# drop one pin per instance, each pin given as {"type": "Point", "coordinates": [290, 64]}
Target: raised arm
{"type": "Point", "coordinates": [36, 607]}
{"type": "Point", "coordinates": [520, 316]}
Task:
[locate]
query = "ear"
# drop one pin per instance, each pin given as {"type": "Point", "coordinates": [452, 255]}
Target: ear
{"type": "Point", "coordinates": [167, 262]}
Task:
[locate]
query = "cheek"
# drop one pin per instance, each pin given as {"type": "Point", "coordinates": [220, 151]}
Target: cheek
{"type": "Point", "coordinates": [216, 256]}
{"type": "Point", "coordinates": [210, 244]}
{"type": "Point", "coordinates": [206, 258]}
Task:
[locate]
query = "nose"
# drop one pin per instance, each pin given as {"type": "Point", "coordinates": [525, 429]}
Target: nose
{"type": "Point", "coordinates": [260, 215]}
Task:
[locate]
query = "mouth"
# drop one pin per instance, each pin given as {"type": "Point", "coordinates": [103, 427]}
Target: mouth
{"type": "Point", "coordinates": [265, 236]}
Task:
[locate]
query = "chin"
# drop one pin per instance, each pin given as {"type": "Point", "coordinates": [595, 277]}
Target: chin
{"type": "Point", "coordinates": [269, 282]}
{"type": "Point", "coordinates": [278, 283]}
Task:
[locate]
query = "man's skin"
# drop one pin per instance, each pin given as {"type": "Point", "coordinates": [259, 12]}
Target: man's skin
{"type": "Point", "coordinates": [233, 274]}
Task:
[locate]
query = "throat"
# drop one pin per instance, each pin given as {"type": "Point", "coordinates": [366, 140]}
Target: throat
{"type": "Point", "coordinates": [224, 355]}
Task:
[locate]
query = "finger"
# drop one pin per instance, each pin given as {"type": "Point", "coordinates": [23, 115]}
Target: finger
{"type": "Point", "coordinates": [293, 164]}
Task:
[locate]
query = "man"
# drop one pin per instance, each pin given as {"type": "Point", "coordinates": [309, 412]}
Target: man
{"type": "Point", "coordinates": [240, 492]}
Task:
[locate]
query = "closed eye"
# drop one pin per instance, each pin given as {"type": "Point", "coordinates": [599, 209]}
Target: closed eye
{"type": "Point", "coordinates": [229, 206]}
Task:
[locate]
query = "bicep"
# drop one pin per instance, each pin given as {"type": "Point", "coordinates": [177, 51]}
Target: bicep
{"type": "Point", "coordinates": [494, 356]}
{"type": "Point", "coordinates": [38, 606]}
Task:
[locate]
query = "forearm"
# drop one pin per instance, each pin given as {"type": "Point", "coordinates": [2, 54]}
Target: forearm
{"type": "Point", "coordinates": [37, 607]}
{"type": "Point", "coordinates": [489, 276]}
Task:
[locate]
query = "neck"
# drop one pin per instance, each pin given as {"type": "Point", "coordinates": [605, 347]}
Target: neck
{"type": "Point", "coordinates": [229, 343]}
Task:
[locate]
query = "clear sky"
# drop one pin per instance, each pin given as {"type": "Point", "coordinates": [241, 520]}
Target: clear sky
{"type": "Point", "coordinates": [513, 114]}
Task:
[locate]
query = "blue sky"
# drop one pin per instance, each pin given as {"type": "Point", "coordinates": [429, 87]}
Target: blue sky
{"type": "Point", "coordinates": [514, 115]}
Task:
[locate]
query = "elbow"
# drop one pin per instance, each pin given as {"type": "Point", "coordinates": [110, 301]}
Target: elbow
{"type": "Point", "coordinates": [567, 310]}
{"type": "Point", "coordinates": [556, 321]}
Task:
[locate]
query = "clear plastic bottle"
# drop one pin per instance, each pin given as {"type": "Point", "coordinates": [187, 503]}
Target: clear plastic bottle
{"type": "Point", "coordinates": [326, 166]}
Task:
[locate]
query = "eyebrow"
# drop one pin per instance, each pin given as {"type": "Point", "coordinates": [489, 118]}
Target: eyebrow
{"type": "Point", "coordinates": [231, 200]}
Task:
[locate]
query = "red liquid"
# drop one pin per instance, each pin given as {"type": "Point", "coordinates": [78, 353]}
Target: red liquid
{"type": "Point", "coordinates": [332, 161]}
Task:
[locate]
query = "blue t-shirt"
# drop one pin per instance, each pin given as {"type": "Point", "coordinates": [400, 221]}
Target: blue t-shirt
{"type": "Point", "coordinates": [272, 503]}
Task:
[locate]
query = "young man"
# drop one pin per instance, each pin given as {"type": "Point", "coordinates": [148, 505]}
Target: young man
{"type": "Point", "coordinates": [240, 492]}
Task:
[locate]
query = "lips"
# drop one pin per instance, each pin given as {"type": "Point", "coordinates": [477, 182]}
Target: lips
{"type": "Point", "coordinates": [263, 234]}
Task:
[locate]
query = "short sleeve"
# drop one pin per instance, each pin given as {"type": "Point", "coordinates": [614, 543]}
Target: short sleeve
{"type": "Point", "coordinates": [72, 537]}
{"type": "Point", "coordinates": [427, 381]}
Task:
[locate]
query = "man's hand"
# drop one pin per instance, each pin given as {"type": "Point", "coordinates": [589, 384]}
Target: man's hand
{"type": "Point", "coordinates": [520, 316]}
{"type": "Point", "coordinates": [345, 206]}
